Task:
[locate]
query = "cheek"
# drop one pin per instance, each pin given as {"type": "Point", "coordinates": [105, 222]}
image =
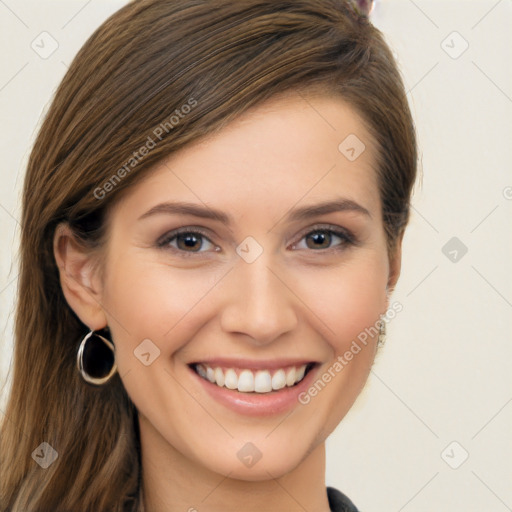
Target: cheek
{"type": "Point", "coordinates": [148, 300]}
{"type": "Point", "coordinates": [347, 300]}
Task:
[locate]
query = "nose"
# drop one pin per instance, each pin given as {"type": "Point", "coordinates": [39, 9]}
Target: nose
{"type": "Point", "coordinates": [258, 302]}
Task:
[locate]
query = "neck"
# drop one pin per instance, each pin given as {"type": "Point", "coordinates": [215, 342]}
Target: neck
{"type": "Point", "coordinates": [172, 482]}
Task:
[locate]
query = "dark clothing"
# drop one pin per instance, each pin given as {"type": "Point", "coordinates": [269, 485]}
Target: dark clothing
{"type": "Point", "coordinates": [338, 502]}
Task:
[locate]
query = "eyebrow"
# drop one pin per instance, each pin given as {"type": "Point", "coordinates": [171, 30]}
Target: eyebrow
{"type": "Point", "coordinates": [301, 213]}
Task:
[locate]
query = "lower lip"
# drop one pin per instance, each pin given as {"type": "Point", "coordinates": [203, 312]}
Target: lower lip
{"type": "Point", "coordinates": [258, 404]}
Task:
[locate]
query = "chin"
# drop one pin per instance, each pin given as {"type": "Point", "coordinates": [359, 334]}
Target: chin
{"type": "Point", "coordinates": [259, 460]}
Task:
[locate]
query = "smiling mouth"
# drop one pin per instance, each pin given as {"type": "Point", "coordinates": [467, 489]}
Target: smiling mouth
{"type": "Point", "coordinates": [249, 381]}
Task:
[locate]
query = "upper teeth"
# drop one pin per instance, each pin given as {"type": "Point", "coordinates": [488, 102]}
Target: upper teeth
{"type": "Point", "coordinates": [248, 381]}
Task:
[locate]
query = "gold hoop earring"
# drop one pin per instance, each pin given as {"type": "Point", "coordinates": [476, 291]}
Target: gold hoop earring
{"type": "Point", "coordinates": [382, 332]}
{"type": "Point", "coordinates": [96, 359]}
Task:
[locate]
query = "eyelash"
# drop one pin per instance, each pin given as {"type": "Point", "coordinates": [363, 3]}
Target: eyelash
{"type": "Point", "coordinates": [348, 239]}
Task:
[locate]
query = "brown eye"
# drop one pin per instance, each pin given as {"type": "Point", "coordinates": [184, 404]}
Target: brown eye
{"type": "Point", "coordinates": [187, 241]}
{"type": "Point", "coordinates": [325, 239]}
{"type": "Point", "coordinates": [319, 240]}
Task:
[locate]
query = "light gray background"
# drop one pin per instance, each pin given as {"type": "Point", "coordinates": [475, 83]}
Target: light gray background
{"type": "Point", "coordinates": [444, 375]}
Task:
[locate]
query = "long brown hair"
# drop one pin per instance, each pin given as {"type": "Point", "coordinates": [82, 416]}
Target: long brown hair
{"type": "Point", "coordinates": [160, 74]}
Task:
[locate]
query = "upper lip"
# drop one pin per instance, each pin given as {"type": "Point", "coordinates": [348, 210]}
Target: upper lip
{"type": "Point", "coordinates": [251, 364]}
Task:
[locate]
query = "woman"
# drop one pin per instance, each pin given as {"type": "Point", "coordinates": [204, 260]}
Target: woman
{"type": "Point", "coordinates": [213, 214]}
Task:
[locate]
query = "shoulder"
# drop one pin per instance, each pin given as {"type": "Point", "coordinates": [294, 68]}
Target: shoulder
{"type": "Point", "coordinates": [338, 502]}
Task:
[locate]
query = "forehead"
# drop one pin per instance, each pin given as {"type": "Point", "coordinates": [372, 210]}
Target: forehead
{"type": "Point", "coordinates": [290, 149]}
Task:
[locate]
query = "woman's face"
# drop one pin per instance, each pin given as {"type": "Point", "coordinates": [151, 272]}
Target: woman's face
{"type": "Point", "coordinates": [257, 284]}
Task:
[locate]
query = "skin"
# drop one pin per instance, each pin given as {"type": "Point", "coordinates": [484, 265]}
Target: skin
{"type": "Point", "coordinates": [294, 300]}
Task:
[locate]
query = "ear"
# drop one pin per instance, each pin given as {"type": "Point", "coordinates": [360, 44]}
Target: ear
{"type": "Point", "coordinates": [79, 277]}
{"type": "Point", "coordinates": [395, 264]}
